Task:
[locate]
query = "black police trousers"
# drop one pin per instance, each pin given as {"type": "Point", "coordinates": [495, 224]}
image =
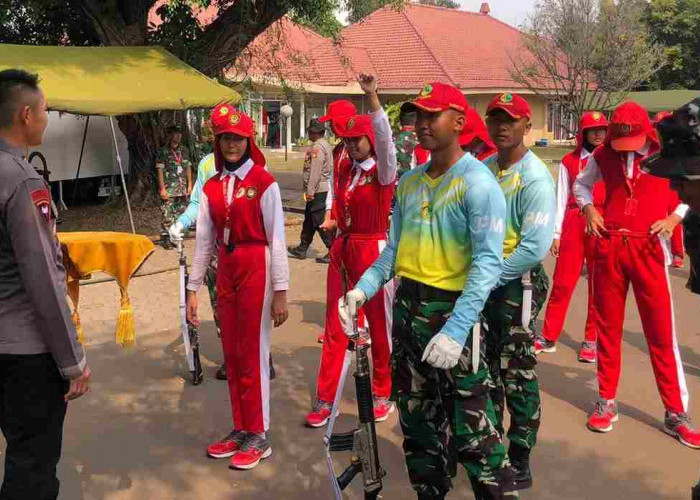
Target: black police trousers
{"type": "Point", "coordinates": [32, 411]}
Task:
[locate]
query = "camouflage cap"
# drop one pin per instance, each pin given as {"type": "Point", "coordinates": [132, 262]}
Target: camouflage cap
{"type": "Point", "coordinates": [679, 157]}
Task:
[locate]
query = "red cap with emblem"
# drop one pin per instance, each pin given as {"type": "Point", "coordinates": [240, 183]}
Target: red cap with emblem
{"type": "Point", "coordinates": [630, 128]}
{"type": "Point", "coordinates": [338, 111]}
{"type": "Point", "coordinates": [436, 97]}
{"type": "Point", "coordinates": [355, 126]}
{"type": "Point", "coordinates": [514, 105]}
{"type": "Point", "coordinates": [225, 119]}
{"type": "Point", "coordinates": [589, 120]}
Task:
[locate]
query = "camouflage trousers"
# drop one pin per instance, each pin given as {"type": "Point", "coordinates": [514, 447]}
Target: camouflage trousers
{"type": "Point", "coordinates": [171, 210]}
{"type": "Point", "coordinates": [446, 415]}
{"type": "Point", "coordinates": [510, 353]}
{"type": "Point", "coordinates": [210, 279]}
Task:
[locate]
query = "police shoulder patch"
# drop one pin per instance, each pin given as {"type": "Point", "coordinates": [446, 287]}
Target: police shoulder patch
{"type": "Point", "coordinates": [42, 201]}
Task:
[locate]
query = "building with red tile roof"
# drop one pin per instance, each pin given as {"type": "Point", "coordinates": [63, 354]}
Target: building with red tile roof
{"type": "Point", "coordinates": [406, 48]}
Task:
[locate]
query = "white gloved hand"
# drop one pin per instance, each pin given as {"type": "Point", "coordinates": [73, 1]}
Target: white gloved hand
{"type": "Point", "coordinates": [348, 307]}
{"type": "Point", "coordinates": [177, 232]}
{"type": "Point", "coordinates": [442, 352]}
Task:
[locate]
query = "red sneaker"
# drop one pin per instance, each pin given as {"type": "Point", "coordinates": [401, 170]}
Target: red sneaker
{"type": "Point", "coordinates": [679, 426]}
{"type": "Point", "coordinates": [587, 352]}
{"type": "Point", "coordinates": [227, 446]}
{"type": "Point", "coordinates": [677, 262]}
{"type": "Point", "coordinates": [382, 409]}
{"type": "Point", "coordinates": [255, 449]}
{"type": "Point", "coordinates": [544, 345]}
{"type": "Point", "coordinates": [603, 416]}
{"type": "Point", "coordinates": [318, 417]}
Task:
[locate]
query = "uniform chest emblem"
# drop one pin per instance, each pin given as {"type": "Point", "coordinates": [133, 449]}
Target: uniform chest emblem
{"type": "Point", "coordinates": [240, 193]}
{"type": "Point", "coordinates": [425, 210]}
{"type": "Point", "coordinates": [251, 192]}
{"type": "Point", "coordinates": [366, 180]}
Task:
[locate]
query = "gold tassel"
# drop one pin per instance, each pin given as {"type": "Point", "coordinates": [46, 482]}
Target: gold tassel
{"type": "Point", "coordinates": [125, 322]}
{"type": "Point", "coordinates": [76, 321]}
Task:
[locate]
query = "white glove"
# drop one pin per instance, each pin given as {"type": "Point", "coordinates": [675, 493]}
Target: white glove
{"type": "Point", "coordinates": [348, 307]}
{"type": "Point", "coordinates": [177, 232]}
{"type": "Point", "coordinates": [442, 352]}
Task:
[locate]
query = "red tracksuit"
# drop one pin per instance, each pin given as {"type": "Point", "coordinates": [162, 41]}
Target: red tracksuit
{"type": "Point", "coordinates": [629, 255]}
{"type": "Point", "coordinates": [250, 269]}
{"type": "Point", "coordinates": [361, 208]}
{"type": "Point", "coordinates": [575, 248]}
{"type": "Point", "coordinates": [677, 245]}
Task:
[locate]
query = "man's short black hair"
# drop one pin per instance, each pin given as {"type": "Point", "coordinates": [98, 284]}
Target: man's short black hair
{"type": "Point", "coordinates": [407, 118]}
{"type": "Point", "coordinates": [14, 84]}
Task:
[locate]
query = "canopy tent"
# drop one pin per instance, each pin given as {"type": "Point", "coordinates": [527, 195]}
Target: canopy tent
{"type": "Point", "coordinates": [662, 100]}
{"type": "Point", "coordinates": [115, 81]}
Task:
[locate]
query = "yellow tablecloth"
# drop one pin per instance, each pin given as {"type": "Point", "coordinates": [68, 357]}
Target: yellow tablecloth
{"type": "Point", "coordinates": [116, 254]}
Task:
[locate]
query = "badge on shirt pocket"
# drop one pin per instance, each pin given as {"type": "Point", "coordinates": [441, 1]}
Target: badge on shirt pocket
{"type": "Point", "coordinates": [42, 201]}
{"type": "Point", "coordinates": [251, 192]}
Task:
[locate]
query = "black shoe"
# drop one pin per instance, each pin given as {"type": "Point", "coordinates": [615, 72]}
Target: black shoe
{"type": "Point", "coordinates": [165, 242]}
{"type": "Point", "coordinates": [326, 259]}
{"type": "Point", "coordinates": [273, 375]}
{"type": "Point", "coordinates": [297, 252]}
{"type": "Point", "coordinates": [520, 461]}
{"type": "Point", "coordinates": [221, 373]}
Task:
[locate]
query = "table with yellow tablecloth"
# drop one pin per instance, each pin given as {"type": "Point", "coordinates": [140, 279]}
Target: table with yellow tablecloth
{"type": "Point", "coordinates": [117, 254]}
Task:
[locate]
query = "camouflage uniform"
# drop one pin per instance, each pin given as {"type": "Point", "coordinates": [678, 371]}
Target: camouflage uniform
{"type": "Point", "coordinates": [174, 165]}
{"type": "Point", "coordinates": [406, 142]}
{"type": "Point", "coordinates": [446, 415]}
{"type": "Point", "coordinates": [510, 352]}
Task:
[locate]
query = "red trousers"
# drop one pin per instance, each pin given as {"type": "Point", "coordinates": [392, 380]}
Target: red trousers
{"type": "Point", "coordinates": [575, 247]}
{"type": "Point", "coordinates": [356, 253]}
{"type": "Point", "coordinates": [677, 247]}
{"type": "Point", "coordinates": [640, 260]}
{"type": "Point", "coordinates": [244, 302]}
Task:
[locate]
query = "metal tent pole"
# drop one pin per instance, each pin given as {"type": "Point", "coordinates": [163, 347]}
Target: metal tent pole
{"type": "Point", "coordinates": [80, 160]}
{"type": "Point", "coordinates": [121, 172]}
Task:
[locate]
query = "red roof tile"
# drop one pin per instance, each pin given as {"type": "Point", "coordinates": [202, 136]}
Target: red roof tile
{"type": "Point", "coordinates": [420, 43]}
{"type": "Point", "coordinates": [406, 48]}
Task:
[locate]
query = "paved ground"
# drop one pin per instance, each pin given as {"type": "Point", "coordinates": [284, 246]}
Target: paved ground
{"type": "Point", "coordinates": [141, 432]}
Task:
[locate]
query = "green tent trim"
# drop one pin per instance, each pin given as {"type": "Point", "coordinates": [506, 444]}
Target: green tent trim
{"type": "Point", "coordinates": [115, 80]}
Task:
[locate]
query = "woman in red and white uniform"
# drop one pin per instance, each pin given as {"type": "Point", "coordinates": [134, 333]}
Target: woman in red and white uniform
{"type": "Point", "coordinates": [241, 212]}
{"type": "Point", "coordinates": [475, 138]}
{"type": "Point", "coordinates": [364, 188]}
{"type": "Point", "coordinates": [572, 246]}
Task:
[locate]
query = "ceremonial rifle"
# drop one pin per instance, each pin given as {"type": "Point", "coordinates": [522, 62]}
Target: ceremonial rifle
{"type": "Point", "coordinates": [190, 334]}
{"type": "Point", "coordinates": [363, 440]}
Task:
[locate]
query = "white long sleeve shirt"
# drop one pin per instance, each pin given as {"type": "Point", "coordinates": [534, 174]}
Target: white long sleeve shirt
{"type": "Point", "coordinates": [563, 193]}
{"type": "Point", "coordinates": [273, 220]}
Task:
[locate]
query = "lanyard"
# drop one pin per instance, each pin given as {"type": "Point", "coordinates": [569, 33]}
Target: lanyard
{"type": "Point", "coordinates": [227, 190]}
{"type": "Point", "coordinates": [177, 156]}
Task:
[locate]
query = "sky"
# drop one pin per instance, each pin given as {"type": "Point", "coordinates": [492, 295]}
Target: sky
{"type": "Point", "coordinates": [513, 12]}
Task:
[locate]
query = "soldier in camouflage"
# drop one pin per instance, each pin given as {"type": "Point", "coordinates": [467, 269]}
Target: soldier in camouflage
{"type": "Point", "coordinates": [510, 345]}
{"type": "Point", "coordinates": [445, 245]}
{"type": "Point", "coordinates": [409, 153]}
{"type": "Point", "coordinates": [174, 180]}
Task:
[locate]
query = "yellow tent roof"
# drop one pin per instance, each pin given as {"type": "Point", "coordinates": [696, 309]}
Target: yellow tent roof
{"type": "Point", "coordinates": [115, 80]}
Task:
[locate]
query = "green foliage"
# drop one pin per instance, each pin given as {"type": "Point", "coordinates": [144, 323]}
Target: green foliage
{"type": "Point", "coordinates": [44, 22]}
{"type": "Point", "coordinates": [675, 24]}
{"type": "Point", "coordinates": [324, 22]}
{"type": "Point", "coordinates": [450, 4]}
{"type": "Point", "coordinates": [393, 110]}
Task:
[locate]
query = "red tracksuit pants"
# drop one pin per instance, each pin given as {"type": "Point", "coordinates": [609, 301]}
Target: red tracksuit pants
{"type": "Point", "coordinates": [244, 301]}
{"type": "Point", "coordinates": [356, 253]}
{"type": "Point", "coordinates": [639, 260]}
{"type": "Point", "coordinates": [677, 246]}
{"type": "Point", "coordinates": [575, 248]}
